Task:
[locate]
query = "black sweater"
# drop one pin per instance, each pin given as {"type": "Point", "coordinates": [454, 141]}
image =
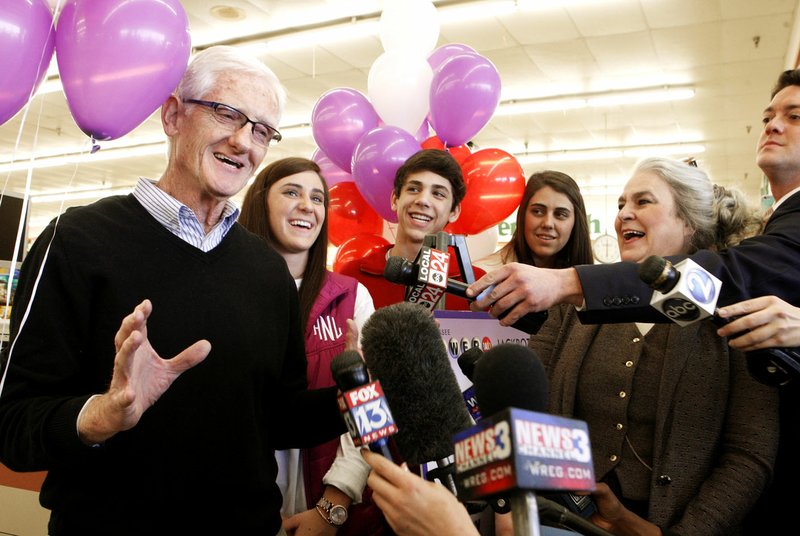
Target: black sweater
{"type": "Point", "coordinates": [202, 456]}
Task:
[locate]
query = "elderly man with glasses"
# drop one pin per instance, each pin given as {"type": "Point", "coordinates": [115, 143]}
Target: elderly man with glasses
{"type": "Point", "coordinates": [165, 423]}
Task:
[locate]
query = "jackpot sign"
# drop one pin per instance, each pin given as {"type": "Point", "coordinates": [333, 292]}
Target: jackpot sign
{"type": "Point", "coordinates": [518, 449]}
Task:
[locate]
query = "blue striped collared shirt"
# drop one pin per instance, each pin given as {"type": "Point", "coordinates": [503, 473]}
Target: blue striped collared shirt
{"type": "Point", "coordinates": [179, 219]}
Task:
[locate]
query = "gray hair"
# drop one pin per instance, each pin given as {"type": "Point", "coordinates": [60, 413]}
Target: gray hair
{"type": "Point", "coordinates": [206, 67]}
{"type": "Point", "coordinates": [718, 216]}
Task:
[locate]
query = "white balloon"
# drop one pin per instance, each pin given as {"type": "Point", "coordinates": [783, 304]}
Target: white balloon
{"type": "Point", "coordinates": [398, 86]}
{"type": "Point", "coordinates": [410, 26]}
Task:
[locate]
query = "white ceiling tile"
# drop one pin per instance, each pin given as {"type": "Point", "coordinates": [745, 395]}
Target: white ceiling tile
{"type": "Point", "coordinates": [534, 27]}
{"type": "Point", "coordinates": [485, 34]}
{"type": "Point", "coordinates": [661, 14]}
{"type": "Point", "coordinates": [755, 37]}
{"type": "Point", "coordinates": [686, 47]}
{"type": "Point", "coordinates": [567, 62]}
{"type": "Point", "coordinates": [624, 53]}
{"type": "Point", "coordinates": [739, 9]}
{"type": "Point", "coordinates": [607, 18]}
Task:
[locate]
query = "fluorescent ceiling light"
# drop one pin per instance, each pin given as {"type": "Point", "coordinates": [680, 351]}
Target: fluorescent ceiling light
{"type": "Point", "coordinates": [75, 148]}
{"type": "Point", "coordinates": [641, 96]}
{"type": "Point", "coordinates": [532, 106]}
{"type": "Point", "coordinates": [85, 157]}
{"type": "Point", "coordinates": [597, 99]}
{"type": "Point", "coordinates": [586, 154]}
{"type": "Point", "coordinates": [474, 11]}
{"type": "Point", "coordinates": [310, 38]}
{"type": "Point", "coordinates": [605, 153]}
{"type": "Point", "coordinates": [297, 131]}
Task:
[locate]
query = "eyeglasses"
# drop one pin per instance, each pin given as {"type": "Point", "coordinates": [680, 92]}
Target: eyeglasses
{"type": "Point", "coordinates": [229, 116]}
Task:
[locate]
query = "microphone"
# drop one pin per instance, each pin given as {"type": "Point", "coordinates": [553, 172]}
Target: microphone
{"type": "Point", "coordinates": [402, 346]}
{"type": "Point", "coordinates": [692, 295]}
{"type": "Point", "coordinates": [684, 293]}
{"type": "Point", "coordinates": [518, 449]}
{"type": "Point", "coordinates": [362, 404]}
{"type": "Point", "coordinates": [511, 375]}
{"type": "Point", "coordinates": [404, 272]}
{"type": "Point", "coordinates": [467, 362]}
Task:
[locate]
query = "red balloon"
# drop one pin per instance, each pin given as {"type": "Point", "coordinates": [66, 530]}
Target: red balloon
{"type": "Point", "coordinates": [349, 214]}
{"type": "Point", "coordinates": [459, 152]}
{"type": "Point", "coordinates": [356, 248]}
{"type": "Point", "coordinates": [495, 184]}
{"type": "Point", "coordinates": [433, 143]}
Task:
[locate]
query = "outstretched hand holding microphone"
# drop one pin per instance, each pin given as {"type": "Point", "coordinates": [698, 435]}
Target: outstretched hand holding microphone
{"type": "Point", "coordinates": [758, 323]}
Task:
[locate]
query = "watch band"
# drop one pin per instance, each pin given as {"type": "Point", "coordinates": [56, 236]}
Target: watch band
{"type": "Point", "coordinates": [325, 508]}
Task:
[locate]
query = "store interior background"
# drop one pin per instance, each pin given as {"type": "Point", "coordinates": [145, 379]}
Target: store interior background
{"type": "Point", "coordinates": [716, 59]}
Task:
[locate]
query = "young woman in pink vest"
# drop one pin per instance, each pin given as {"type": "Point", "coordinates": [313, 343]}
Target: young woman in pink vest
{"type": "Point", "coordinates": [323, 487]}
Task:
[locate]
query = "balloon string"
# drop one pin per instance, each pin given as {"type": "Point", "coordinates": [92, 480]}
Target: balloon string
{"type": "Point", "coordinates": [41, 266]}
{"type": "Point", "coordinates": [12, 269]}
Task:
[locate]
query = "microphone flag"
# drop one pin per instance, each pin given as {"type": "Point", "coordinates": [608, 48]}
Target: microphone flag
{"type": "Point", "coordinates": [366, 414]}
{"type": "Point", "coordinates": [517, 449]}
{"type": "Point", "coordinates": [693, 296]}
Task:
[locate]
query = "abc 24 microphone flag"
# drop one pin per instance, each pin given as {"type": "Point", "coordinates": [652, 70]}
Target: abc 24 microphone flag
{"type": "Point", "coordinates": [433, 267]}
{"type": "Point", "coordinates": [517, 449]}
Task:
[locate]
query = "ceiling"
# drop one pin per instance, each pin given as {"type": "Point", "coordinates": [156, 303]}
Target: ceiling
{"type": "Point", "coordinates": [729, 51]}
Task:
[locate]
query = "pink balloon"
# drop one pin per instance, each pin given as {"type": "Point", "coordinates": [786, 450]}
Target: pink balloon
{"type": "Point", "coordinates": [445, 52]}
{"type": "Point", "coordinates": [376, 159]}
{"type": "Point", "coordinates": [119, 60]}
{"type": "Point", "coordinates": [27, 38]}
{"type": "Point", "coordinates": [332, 173]}
{"type": "Point", "coordinates": [339, 118]}
{"type": "Point", "coordinates": [464, 94]}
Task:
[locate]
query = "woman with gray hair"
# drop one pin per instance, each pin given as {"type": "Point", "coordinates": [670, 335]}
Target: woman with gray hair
{"type": "Point", "coordinates": [683, 438]}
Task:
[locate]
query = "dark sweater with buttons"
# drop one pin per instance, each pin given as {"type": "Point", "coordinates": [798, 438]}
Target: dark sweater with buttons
{"type": "Point", "coordinates": [200, 460]}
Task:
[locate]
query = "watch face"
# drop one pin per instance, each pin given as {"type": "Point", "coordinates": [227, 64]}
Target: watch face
{"type": "Point", "coordinates": [605, 248]}
{"type": "Point", "coordinates": [338, 514]}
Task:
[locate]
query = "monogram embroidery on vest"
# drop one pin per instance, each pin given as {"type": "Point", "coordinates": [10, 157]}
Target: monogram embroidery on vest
{"type": "Point", "coordinates": [326, 329]}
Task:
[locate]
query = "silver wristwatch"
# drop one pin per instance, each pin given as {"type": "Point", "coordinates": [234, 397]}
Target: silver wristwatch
{"type": "Point", "coordinates": [335, 514]}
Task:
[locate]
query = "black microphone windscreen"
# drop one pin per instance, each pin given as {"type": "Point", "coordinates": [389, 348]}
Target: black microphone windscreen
{"type": "Point", "coordinates": [510, 375]}
{"type": "Point", "coordinates": [658, 273]}
{"type": "Point", "coordinates": [404, 350]}
{"type": "Point", "coordinates": [399, 270]}
{"type": "Point", "coordinates": [468, 360]}
{"type": "Point", "coordinates": [349, 370]}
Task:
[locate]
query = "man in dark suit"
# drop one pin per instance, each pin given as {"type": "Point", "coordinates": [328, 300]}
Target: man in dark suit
{"type": "Point", "coordinates": [765, 264]}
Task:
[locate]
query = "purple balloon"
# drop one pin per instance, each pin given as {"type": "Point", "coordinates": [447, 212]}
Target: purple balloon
{"type": "Point", "coordinates": [423, 132]}
{"type": "Point", "coordinates": [332, 173]}
{"type": "Point", "coordinates": [339, 119]}
{"type": "Point", "coordinates": [27, 38]}
{"type": "Point", "coordinates": [445, 52]}
{"type": "Point", "coordinates": [119, 60]}
{"type": "Point", "coordinates": [464, 94]}
{"type": "Point", "coordinates": [376, 158]}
